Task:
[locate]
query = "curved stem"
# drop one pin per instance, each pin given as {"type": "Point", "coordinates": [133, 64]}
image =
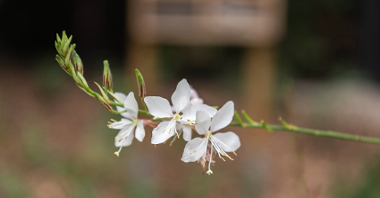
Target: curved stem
{"type": "Point", "coordinates": [330, 134]}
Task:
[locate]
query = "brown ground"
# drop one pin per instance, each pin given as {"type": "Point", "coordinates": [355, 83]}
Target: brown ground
{"type": "Point", "coordinates": [55, 144]}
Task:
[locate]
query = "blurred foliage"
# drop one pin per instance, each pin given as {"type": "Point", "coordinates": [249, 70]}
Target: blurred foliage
{"type": "Point", "coordinates": [367, 186]}
{"type": "Point", "coordinates": [11, 183]}
{"type": "Point", "coordinates": [322, 38]}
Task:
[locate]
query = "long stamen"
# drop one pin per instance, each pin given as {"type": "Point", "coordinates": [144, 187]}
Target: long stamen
{"type": "Point", "coordinates": [118, 152]}
{"type": "Point", "coordinates": [204, 161]}
{"type": "Point", "coordinates": [175, 130]}
{"type": "Point", "coordinates": [175, 138]}
{"type": "Point", "coordinates": [219, 149]}
{"type": "Point", "coordinates": [216, 148]}
{"type": "Point", "coordinates": [209, 172]}
{"type": "Point", "coordinates": [226, 146]}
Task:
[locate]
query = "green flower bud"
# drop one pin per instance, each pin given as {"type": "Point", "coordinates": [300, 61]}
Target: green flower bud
{"type": "Point", "coordinates": [107, 77]}
{"type": "Point", "coordinates": [61, 63]}
{"type": "Point", "coordinates": [78, 65]}
{"type": "Point", "coordinates": [140, 84]}
{"type": "Point", "coordinates": [103, 102]}
{"type": "Point", "coordinates": [65, 47]}
{"type": "Point", "coordinates": [68, 62]}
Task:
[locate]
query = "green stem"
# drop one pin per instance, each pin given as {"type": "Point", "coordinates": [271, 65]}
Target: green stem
{"type": "Point", "coordinates": [115, 103]}
{"type": "Point", "coordinates": [144, 112]}
{"type": "Point", "coordinates": [330, 134]}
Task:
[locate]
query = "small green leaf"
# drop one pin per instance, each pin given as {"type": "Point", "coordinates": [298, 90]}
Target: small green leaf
{"type": "Point", "coordinates": [247, 118]}
{"type": "Point", "coordinates": [284, 123]}
{"type": "Point", "coordinates": [237, 117]}
{"type": "Point", "coordinates": [265, 126]}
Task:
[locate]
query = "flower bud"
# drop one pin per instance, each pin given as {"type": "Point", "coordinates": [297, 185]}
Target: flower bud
{"type": "Point", "coordinates": [78, 65]}
{"type": "Point", "coordinates": [107, 77]}
{"type": "Point", "coordinates": [68, 62]}
{"type": "Point", "coordinates": [103, 102]}
{"type": "Point", "coordinates": [61, 63]}
{"type": "Point", "coordinates": [140, 84]}
{"type": "Point", "coordinates": [65, 46]}
{"type": "Point", "coordinates": [58, 44]}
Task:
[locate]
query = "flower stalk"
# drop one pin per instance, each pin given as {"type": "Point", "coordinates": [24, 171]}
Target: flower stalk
{"type": "Point", "coordinates": [315, 132]}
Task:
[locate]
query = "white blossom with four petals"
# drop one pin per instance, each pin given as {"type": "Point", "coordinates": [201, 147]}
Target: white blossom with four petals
{"type": "Point", "coordinates": [221, 143]}
{"type": "Point", "coordinates": [128, 123]}
{"type": "Point", "coordinates": [160, 108]}
{"type": "Point", "coordinates": [189, 115]}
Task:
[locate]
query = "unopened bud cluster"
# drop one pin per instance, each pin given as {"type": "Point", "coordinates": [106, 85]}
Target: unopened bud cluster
{"type": "Point", "coordinates": [70, 61]}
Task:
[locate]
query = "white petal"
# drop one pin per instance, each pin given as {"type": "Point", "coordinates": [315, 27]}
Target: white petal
{"type": "Point", "coordinates": [121, 139]}
{"type": "Point", "coordinates": [195, 101]}
{"type": "Point", "coordinates": [163, 131]}
{"type": "Point", "coordinates": [121, 96]}
{"type": "Point", "coordinates": [188, 112]}
{"type": "Point", "coordinates": [120, 124]}
{"type": "Point", "coordinates": [125, 131]}
{"type": "Point", "coordinates": [130, 104]}
{"type": "Point", "coordinates": [181, 96]}
{"type": "Point", "coordinates": [158, 106]}
{"type": "Point", "coordinates": [186, 132]}
{"type": "Point", "coordinates": [223, 117]}
{"type": "Point", "coordinates": [229, 141]}
{"type": "Point", "coordinates": [211, 111]}
{"type": "Point", "coordinates": [140, 131]}
{"type": "Point", "coordinates": [125, 142]}
{"type": "Point", "coordinates": [120, 109]}
{"type": "Point", "coordinates": [125, 114]}
{"type": "Point", "coordinates": [194, 149]}
{"type": "Point", "coordinates": [204, 121]}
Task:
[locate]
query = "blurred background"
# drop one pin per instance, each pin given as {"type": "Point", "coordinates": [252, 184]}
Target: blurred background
{"type": "Point", "coordinates": [315, 63]}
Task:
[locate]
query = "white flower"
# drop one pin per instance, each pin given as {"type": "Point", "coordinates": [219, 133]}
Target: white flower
{"type": "Point", "coordinates": [129, 123]}
{"type": "Point", "coordinates": [221, 143]}
{"type": "Point", "coordinates": [160, 108]}
{"type": "Point", "coordinates": [189, 115]}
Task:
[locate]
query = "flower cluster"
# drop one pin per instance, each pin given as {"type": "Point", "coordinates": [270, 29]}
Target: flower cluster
{"type": "Point", "coordinates": [187, 114]}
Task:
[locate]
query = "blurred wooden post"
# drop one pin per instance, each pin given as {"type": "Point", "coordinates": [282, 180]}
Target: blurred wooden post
{"type": "Point", "coordinates": [144, 58]}
{"type": "Point", "coordinates": [259, 80]}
